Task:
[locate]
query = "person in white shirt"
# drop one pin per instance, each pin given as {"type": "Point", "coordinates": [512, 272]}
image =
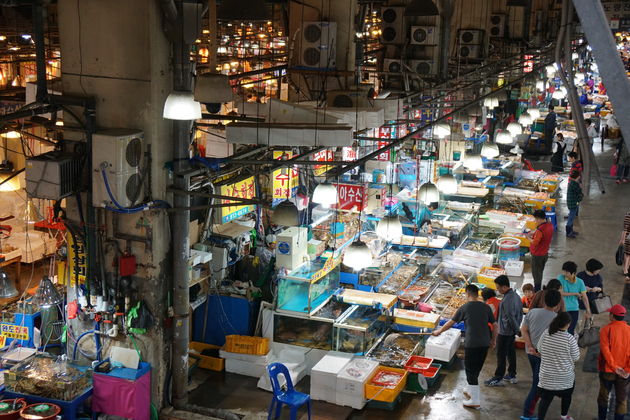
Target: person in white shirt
{"type": "Point", "coordinates": [558, 353]}
{"type": "Point", "coordinates": [590, 130]}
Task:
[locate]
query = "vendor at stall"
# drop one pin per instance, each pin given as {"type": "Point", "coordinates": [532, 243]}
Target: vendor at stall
{"type": "Point", "coordinates": [422, 219]}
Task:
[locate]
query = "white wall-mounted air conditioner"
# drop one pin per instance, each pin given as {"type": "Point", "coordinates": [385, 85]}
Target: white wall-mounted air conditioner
{"type": "Point", "coordinates": [423, 67]}
{"type": "Point", "coordinates": [470, 36]}
{"type": "Point", "coordinates": [317, 49]}
{"type": "Point", "coordinates": [392, 66]}
{"type": "Point", "coordinates": [497, 25]}
{"type": "Point", "coordinates": [471, 51]}
{"type": "Point", "coordinates": [393, 24]}
{"type": "Point", "coordinates": [424, 35]}
{"type": "Point", "coordinates": [119, 152]}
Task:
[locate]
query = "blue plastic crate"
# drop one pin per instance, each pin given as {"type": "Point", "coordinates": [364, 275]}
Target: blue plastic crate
{"type": "Point", "coordinates": [21, 329]}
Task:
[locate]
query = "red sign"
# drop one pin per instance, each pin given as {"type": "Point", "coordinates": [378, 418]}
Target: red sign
{"type": "Point", "coordinates": [351, 197]}
{"type": "Point", "coordinates": [385, 156]}
{"type": "Point", "coordinates": [349, 154]}
{"type": "Point", "coordinates": [322, 156]}
{"type": "Point", "coordinates": [528, 65]}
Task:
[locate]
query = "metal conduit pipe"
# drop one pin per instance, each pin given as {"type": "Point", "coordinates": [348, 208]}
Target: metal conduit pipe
{"type": "Point", "coordinates": [40, 51]}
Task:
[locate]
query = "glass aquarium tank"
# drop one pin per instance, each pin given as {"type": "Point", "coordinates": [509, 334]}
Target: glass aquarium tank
{"type": "Point", "coordinates": [306, 288]}
{"type": "Point", "coordinates": [359, 329]}
{"type": "Point", "coordinates": [303, 331]}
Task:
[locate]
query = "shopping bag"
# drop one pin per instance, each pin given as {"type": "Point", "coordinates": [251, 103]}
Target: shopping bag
{"type": "Point", "coordinates": [589, 335]}
{"type": "Point", "coordinates": [601, 304]}
{"type": "Point", "coordinates": [613, 170]}
{"type": "Point", "coordinates": [619, 255]}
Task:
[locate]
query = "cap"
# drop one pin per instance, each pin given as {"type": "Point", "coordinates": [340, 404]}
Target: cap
{"type": "Point", "coordinates": [270, 238]}
{"type": "Point", "coordinates": [617, 310]}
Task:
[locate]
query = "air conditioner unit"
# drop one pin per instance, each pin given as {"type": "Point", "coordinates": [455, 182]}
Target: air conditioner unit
{"type": "Point", "coordinates": [471, 51]}
{"type": "Point", "coordinates": [53, 175]}
{"type": "Point", "coordinates": [318, 45]}
{"type": "Point", "coordinates": [471, 36]}
{"type": "Point", "coordinates": [424, 35]}
{"type": "Point", "coordinates": [392, 66]}
{"type": "Point", "coordinates": [497, 25]}
{"type": "Point", "coordinates": [393, 24]}
{"type": "Point", "coordinates": [119, 153]}
{"type": "Point", "coordinates": [423, 67]}
{"type": "Point", "coordinates": [347, 98]}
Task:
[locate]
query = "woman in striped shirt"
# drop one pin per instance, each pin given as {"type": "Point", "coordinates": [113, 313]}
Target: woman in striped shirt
{"type": "Point", "coordinates": [558, 353]}
{"type": "Point", "coordinates": [625, 241]}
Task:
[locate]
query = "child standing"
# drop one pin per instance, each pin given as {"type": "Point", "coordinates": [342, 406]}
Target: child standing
{"type": "Point", "coordinates": [528, 295]}
{"type": "Point", "coordinates": [574, 196]}
{"type": "Point", "coordinates": [489, 297]}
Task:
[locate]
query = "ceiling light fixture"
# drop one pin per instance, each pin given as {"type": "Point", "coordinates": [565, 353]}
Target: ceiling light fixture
{"type": "Point", "coordinates": [447, 184]}
{"type": "Point", "coordinates": [286, 214]}
{"type": "Point", "coordinates": [357, 256]}
{"type": "Point", "coordinates": [325, 194]}
{"type": "Point", "coordinates": [389, 228]}
{"type": "Point", "coordinates": [428, 193]}
{"type": "Point", "coordinates": [525, 119]}
{"type": "Point", "coordinates": [181, 105]}
{"type": "Point", "coordinates": [490, 150]}
{"type": "Point", "coordinates": [515, 128]}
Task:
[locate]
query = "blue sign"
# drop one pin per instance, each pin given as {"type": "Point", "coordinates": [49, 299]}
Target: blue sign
{"type": "Point", "coordinates": [284, 248]}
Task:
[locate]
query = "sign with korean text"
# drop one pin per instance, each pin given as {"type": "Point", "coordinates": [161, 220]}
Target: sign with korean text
{"type": "Point", "coordinates": [285, 180]}
{"type": "Point", "coordinates": [241, 189]}
{"type": "Point", "coordinates": [349, 154]}
{"type": "Point", "coordinates": [322, 156]}
{"type": "Point", "coordinates": [385, 156]}
{"type": "Point", "coordinates": [351, 197]}
{"type": "Point", "coordinates": [77, 261]}
{"type": "Point", "coordinates": [332, 262]}
{"type": "Point", "coordinates": [14, 331]}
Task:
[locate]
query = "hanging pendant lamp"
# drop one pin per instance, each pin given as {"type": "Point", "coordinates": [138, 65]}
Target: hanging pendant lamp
{"type": "Point", "coordinates": [525, 119]}
{"type": "Point", "coordinates": [447, 184]}
{"type": "Point", "coordinates": [442, 130]}
{"type": "Point", "coordinates": [515, 128]}
{"type": "Point", "coordinates": [357, 256]}
{"type": "Point", "coordinates": [503, 137]}
{"type": "Point", "coordinates": [286, 214]}
{"type": "Point", "coordinates": [428, 193]}
{"type": "Point", "coordinates": [46, 294]}
{"type": "Point", "coordinates": [389, 228]}
{"type": "Point", "coordinates": [473, 162]}
{"type": "Point", "coordinates": [181, 106]}
{"type": "Point", "coordinates": [534, 112]}
{"type": "Point", "coordinates": [325, 194]}
{"type": "Point", "coordinates": [490, 150]}
{"type": "Point", "coordinates": [540, 85]}
{"type": "Point", "coordinates": [7, 289]}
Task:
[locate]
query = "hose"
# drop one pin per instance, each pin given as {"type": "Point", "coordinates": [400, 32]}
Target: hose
{"type": "Point", "coordinates": [97, 342]}
{"type": "Point", "coordinates": [129, 210]}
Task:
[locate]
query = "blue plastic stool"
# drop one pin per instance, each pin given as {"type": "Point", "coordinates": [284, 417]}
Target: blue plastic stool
{"type": "Point", "coordinates": [551, 216]}
{"type": "Point", "coordinates": [288, 396]}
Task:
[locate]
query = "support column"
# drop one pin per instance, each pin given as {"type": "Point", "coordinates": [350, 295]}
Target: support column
{"type": "Point", "coordinates": [447, 8]}
{"type": "Point", "coordinates": [611, 69]}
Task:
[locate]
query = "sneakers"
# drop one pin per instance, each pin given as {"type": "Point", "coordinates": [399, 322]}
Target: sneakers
{"type": "Point", "coordinates": [528, 418]}
{"type": "Point", "coordinates": [511, 379]}
{"type": "Point", "coordinates": [494, 382]}
{"type": "Point", "coordinates": [572, 235]}
{"type": "Point", "coordinates": [618, 181]}
{"type": "Point", "coordinates": [567, 417]}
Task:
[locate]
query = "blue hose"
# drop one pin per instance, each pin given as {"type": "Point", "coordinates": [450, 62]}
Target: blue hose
{"type": "Point", "coordinates": [128, 210]}
{"type": "Point", "coordinates": [96, 340]}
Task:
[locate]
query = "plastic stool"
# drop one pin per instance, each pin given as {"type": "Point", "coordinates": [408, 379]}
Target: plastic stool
{"type": "Point", "coordinates": [551, 216]}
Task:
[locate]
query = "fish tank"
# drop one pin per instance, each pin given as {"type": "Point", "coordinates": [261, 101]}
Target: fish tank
{"type": "Point", "coordinates": [300, 330]}
{"type": "Point", "coordinates": [359, 329]}
{"type": "Point", "coordinates": [306, 288]}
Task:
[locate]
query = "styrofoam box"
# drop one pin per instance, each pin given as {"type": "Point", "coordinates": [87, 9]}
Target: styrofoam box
{"type": "Point", "coordinates": [245, 368]}
{"type": "Point", "coordinates": [296, 372]}
{"type": "Point", "coordinates": [351, 401]}
{"type": "Point", "coordinates": [249, 358]}
{"type": "Point", "coordinates": [444, 346]}
{"type": "Point", "coordinates": [324, 375]}
{"type": "Point", "coordinates": [514, 268]}
{"type": "Point", "coordinates": [352, 378]}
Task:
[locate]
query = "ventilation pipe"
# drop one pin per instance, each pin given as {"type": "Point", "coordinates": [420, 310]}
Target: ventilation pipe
{"type": "Point", "coordinates": [446, 13]}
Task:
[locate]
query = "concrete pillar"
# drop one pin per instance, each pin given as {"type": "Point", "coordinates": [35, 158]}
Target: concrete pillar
{"type": "Point", "coordinates": [116, 51]}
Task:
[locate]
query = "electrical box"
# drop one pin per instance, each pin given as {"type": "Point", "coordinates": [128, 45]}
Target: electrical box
{"type": "Point", "coordinates": [119, 153]}
{"type": "Point", "coordinates": [219, 262]}
{"type": "Point", "coordinates": [318, 45]}
{"type": "Point", "coordinates": [292, 248]}
{"type": "Point", "coordinates": [53, 175]}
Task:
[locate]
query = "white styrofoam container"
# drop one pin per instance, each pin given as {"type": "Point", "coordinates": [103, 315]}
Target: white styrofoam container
{"type": "Point", "coordinates": [514, 268]}
{"type": "Point", "coordinates": [245, 368]}
{"type": "Point", "coordinates": [323, 394]}
{"type": "Point", "coordinates": [296, 372]}
{"type": "Point", "coordinates": [248, 358]}
{"type": "Point", "coordinates": [324, 375]}
{"type": "Point", "coordinates": [351, 401]}
{"type": "Point", "coordinates": [352, 378]}
{"type": "Point", "coordinates": [444, 346]}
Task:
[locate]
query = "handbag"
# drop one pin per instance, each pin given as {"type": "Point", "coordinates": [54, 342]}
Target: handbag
{"type": "Point", "coordinates": [613, 170]}
{"type": "Point", "coordinates": [601, 303]}
{"type": "Point", "coordinates": [589, 335]}
{"type": "Point", "coordinates": [619, 255]}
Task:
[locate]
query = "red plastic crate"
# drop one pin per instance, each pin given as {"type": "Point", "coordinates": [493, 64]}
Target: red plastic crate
{"type": "Point", "coordinates": [418, 364]}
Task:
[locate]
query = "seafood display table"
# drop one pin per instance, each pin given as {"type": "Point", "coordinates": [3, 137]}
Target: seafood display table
{"type": "Point", "coordinates": [69, 409]}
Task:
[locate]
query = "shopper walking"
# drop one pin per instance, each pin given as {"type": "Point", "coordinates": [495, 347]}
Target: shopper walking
{"type": "Point", "coordinates": [573, 288]}
{"type": "Point", "coordinates": [622, 158]}
{"type": "Point", "coordinates": [576, 164]}
{"type": "Point", "coordinates": [476, 316]}
{"type": "Point", "coordinates": [535, 323]}
{"type": "Point", "coordinates": [510, 317]}
{"type": "Point", "coordinates": [538, 300]}
{"type": "Point", "coordinates": [550, 127]}
{"type": "Point", "coordinates": [574, 196]}
{"type": "Point", "coordinates": [614, 363]}
{"type": "Point", "coordinates": [539, 247]}
{"type": "Point", "coordinates": [557, 159]}
{"type": "Point", "coordinates": [558, 353]}
{"type": "Point", "coordinates": [625, 241]}
{"type": "Point", "coordinates": [593, 282]}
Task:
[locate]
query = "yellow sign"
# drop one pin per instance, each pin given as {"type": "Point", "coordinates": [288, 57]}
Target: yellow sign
{"type": "Point", "coordinates": [14, 331]}
{"type": "Point", "coordinates": [285, 180]}
{"type": "Point", "coordinates": [322, 156]}
{"type": "Point", "coordinates": [329, 265]}
{"type": "Point", "coordinates": [77, 261]}
{"type": "Point", "coordinates": [241, 189]}
{"type": "Point", "coordinates": [3, 341]}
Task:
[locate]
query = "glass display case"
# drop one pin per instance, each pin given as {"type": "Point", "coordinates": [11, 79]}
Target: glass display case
{"type": "Point", "coordinates": [359, 329]}
{"type": "Point", "coordinates": [303, 331]}
{"type": "Point", "coordinates": [399, 279]}
{"type": "Point", "coordinates": [306, 288]}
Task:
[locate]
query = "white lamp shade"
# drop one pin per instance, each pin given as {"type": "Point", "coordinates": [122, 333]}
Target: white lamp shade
{"type": "Point", "coordinates": [181, 106]}
{"type": "Point", "coordinates": [473, 162]}
{"type": "Point", "coordinates": [11, 135]}
{"type": "Point", "coordinates": [540, 85]}
{"type": "Point", "coordinates": [515, 128]}
{"type": "Point", "coordinates": [357, 256]}
{"type": "Point", "coordinates": [551, 69]}
{"type": "Point", "coordinates": [442, 130]}
{"type": "Point", "coordinates": [389, 228]}
{"type": "Point", "coordinates": [517, 150]}
{"type": "Point", "coordinates": [491, 102]}
{"type": "Point", "coordinates": [428, 193]}
{"type": "Point", "coordinates": [558, 94]}
{"type": "Point", "coordinates": [490, 150]}
{"type": "Point", "coordinates": [575, 56]}
{"type": "Point", "coordinates": [503, 137]}
{"type": "Point", "coordinates": [447, 184]}
{"type": "Point", "coordinates": [534, 112]}
{"type": "Point", "coordinates": [525, 119]}
{"type": "Point", "coordinates": [325, 194]}
{"type": "Point", "coordinates": [286, 214]}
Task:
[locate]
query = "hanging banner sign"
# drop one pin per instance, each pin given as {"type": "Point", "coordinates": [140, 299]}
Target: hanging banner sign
{"type": "Point", "coordinates": [351, 197]}
{"type": "Point", "coordinates": [322, 156]}
{"type": "Point", "coordinates": [385, 156]}
{"type": "Point", "coordinates": [349, 154]}
{"type": "Point", "coordinates": [285, 180]}
{"type": "Point", "coordinates": [77, 260]}
{"type": "Point", "coordinates": [14, 331]}
{"type": "Point", "coordinates": [240, 189]}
